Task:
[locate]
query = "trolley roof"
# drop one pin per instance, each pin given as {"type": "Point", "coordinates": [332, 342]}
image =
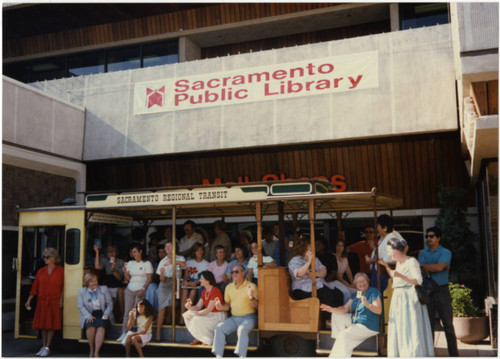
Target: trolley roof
{"type": "Point", "coordinates": [234, 200]}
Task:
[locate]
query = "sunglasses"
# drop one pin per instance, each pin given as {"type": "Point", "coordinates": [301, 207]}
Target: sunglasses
{"type": "Point", "coordinates": [369, 232]}
{"type": "Point", "coordinates": [430, 236]}
{"type": "Point", "coordinates": [46, 257]}
{"type": "Point", "coordinates": [235, 272]}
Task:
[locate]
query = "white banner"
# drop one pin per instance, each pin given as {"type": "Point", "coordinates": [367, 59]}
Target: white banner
{"type": "Point", "coordinates": [176, 197]}
{"type": "Point", "coordinates": [302, 78]}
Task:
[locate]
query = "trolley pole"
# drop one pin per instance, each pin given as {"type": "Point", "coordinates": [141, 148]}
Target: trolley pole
{"type": "Point", "coordinates": [313, 246]}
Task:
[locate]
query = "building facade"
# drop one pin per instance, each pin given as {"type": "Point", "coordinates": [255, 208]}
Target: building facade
{"type": "Point", "coordinates": [401, 97]}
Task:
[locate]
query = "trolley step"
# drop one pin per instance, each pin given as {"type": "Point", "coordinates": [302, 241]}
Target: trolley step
{"type": "Point", "coordinates": [174, 345]}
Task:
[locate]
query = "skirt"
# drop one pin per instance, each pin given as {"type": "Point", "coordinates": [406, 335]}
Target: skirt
{"type": "Point", "coordinates": [203, 327]}
{"type": "Point", "coordinates": [410, 333]}
{"type": "Point", "coordinates": [165, 294]}
{"type": "Point", "coordinates": [98, 321]}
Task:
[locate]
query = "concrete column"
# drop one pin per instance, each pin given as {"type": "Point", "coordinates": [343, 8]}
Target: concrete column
{"type": "Point", "coordinates": [188, 50]}
{"type": "Point", "coordinates": [394, 15]}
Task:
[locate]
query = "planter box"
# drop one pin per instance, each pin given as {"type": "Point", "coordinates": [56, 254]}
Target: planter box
{"type": "Point", "coordinates": [471, 329]}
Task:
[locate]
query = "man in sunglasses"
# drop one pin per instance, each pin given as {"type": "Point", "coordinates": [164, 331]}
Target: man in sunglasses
{"type": "Point", "coordinates": [436, 260]}
{"type": "Point", "coordinates": [241, 297]}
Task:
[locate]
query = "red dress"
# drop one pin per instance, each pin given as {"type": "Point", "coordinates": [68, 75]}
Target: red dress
{"type": "Point", "coordinates": [214, 293]}
{"type": "Point", "coordinates": [49, 289]}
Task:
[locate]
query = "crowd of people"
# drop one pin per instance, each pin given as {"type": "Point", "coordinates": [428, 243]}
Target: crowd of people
{"type": "Point", "coordinates": [219, 295]}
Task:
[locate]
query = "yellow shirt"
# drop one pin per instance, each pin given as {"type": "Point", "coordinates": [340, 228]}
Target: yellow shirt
{"type": "Point", "coordinates": [238, 298]}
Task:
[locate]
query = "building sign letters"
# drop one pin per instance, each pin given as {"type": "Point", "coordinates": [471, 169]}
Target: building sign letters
{"type": "Point", "coordinates": [343, 73]}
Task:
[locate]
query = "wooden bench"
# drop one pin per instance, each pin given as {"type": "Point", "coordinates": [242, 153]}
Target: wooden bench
{"type": "Point", "coordinates": [278, 311]}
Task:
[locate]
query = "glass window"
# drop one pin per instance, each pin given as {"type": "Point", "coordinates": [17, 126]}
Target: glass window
{"type": "Point", "coordinates": [72, 246]}
{"type": "Point", "coordinates": [124, 59]}
{"type": "Point", "coordinates": [160, 54]}
{"type": "Point", "coordinates": [425, 14]}
{"type": "Point", "coordinates": [86, 64]}
{"type": "Point", "coordinates": [49, 69]}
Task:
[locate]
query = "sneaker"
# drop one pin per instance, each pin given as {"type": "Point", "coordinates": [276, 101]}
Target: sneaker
{"type": "Point", "coordinates": [121, 337]}
{"type": "Point", "coordinates": [40, 351]}
{"type": "Point", "coordinates": [45, 352]}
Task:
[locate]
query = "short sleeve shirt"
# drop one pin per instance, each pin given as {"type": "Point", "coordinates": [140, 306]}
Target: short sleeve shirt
{"type": "Point", "coordinates": [187, 243]}
{"type": "Point", "coordinates": [238, 298]}
{"type": "Point", "coordinates": [214, 293]}
{"type": "Point", "coordinates": [439, 255]}
{"type": "Point", "coordinates": [138, 274]}
{"type": "Point", "coordinates": [194, 268]}
{"type": "Point", "coordinates": [107, 265]}
{"type": "Point", "coordinates": [165, 262]}
{"type": "Point", "coordinates": [303, 283]}
{"type": "Point", "coordinates": [218, 271]}
{"type": "Point", "coordinates": [361, 314]}
{"type": "Point", "coordinates": [252, 263]}
{"type": "Point", "coordinates": [233, 263]}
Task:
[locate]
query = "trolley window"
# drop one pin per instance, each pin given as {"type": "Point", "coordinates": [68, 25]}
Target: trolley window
{"type": "Point", "coordinates": [73, 246]}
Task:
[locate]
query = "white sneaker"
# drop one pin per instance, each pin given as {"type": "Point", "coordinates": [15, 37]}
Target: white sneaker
{"type": "Point", "coordinates": [121, 337]}
{"type": "Point", "coordinates": [40, 351]}
{"type": "Point", "coordinates": [45, 352]}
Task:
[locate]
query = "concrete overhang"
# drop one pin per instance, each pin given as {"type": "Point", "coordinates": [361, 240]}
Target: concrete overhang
{"type": "Point", "coordinates": [289, 24]}
{"type": "Point", "coordinates": [485, 143]}
{"type": "Point", "coordinates": [479, 67]}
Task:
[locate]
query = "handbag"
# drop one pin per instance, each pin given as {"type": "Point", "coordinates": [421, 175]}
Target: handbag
{"type": "Point", "coordinates": [426, 290]}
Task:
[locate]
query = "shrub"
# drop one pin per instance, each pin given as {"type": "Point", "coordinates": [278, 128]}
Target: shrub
{"type": "Point", "coordinates": [461, 301]}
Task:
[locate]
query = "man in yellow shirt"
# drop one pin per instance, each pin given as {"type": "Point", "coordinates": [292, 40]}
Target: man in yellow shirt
{"type": "Point", "coordinates": [241, 297]}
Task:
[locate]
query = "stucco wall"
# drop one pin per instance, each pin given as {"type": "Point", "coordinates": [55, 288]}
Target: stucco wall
{"type": "Point", "coordinates": [416, 93]}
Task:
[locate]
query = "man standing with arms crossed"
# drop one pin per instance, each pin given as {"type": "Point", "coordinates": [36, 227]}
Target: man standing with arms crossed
{"type": "Point", "coordinates": [436, 260]}
{"type": "Point", "coordinates": [241, 297]}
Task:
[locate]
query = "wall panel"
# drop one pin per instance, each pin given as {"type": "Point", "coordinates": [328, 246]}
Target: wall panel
{"type": "Point", "coordinates": [188, 19]}
{"type": "Point", "coordinates": [411, 167]}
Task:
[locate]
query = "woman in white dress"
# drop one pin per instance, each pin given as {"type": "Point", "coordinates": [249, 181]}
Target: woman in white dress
{"type": "Point", "coordinates": [201, 322]}
{"type": "Point", "coordinates": [346, 286]}
{"type": "Point", "coordinates": [410, 333]}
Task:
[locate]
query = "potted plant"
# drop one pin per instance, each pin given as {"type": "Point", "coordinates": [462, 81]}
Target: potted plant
{"type": "Point", "coordinates": [470, 322]}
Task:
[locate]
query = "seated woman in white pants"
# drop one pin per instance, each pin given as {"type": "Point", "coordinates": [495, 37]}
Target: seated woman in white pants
{"type": "Point", "coordinates": [357, 320]}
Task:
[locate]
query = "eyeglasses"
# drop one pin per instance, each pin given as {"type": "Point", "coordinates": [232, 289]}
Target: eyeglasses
{"type": "Point", "coordinates": [46, 257]}
{"type": "Point", "coordinates": [368, 232]}
{"type": "Point", "coordinates": [235, 272]}
{"type": "Point", "coordinates": [430, 235]}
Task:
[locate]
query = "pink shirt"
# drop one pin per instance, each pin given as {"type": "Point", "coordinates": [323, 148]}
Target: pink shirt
{"type": "Point", "coordinates": [218, 271]}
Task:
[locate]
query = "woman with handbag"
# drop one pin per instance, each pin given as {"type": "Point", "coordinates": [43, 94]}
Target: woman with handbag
{"type": "Point", "coordinates": [409, 332]}
{"type": "Point", "coordinates": [96, 308]}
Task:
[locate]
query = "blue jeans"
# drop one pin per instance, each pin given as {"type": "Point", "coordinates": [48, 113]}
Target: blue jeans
{"type": "Point", "coordinates": [441, 302]}
{"type": "Point", "coordinates": [243, 324]}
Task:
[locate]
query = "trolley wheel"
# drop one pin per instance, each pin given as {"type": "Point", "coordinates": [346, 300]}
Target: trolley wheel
{"type": "Point", "coordinates": [287, 345]}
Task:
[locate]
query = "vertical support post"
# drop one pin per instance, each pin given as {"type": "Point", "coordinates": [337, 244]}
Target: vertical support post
{"type": "Point", "coordinates": [313, 246]}
{"type": "Point", "coordinates": [340, 235]}
{"type": "Point", "coordinates": [281, 222]}
{"type": "Point", "coordinates": [294, 225]}
{"type": "Point", "coordinates": [174, 281]}
{"type": "Point", "coordinates": [258, 217]}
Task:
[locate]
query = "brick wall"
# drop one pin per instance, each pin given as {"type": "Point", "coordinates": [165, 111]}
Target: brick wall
{"type": "Point", "coordinates": [28, 188]}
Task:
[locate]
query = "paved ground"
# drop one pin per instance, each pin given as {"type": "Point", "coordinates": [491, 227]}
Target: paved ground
{"type": "Point", "coordinates": [28, 347]}
{"type": "Point", "coordinates": [482, 349]}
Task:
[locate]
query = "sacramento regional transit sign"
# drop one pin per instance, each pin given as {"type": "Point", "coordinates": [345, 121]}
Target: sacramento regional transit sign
{"type": "Point", "coordinates": [273, 82]}
{"type": "Point", "coordinates": [176, 197]}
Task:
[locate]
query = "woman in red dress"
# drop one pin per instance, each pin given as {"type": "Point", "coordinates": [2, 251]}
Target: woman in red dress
{"type": "Point", "coordinates": [48, 285]}
{"type": "Point", "coordinates": [202, 318]}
